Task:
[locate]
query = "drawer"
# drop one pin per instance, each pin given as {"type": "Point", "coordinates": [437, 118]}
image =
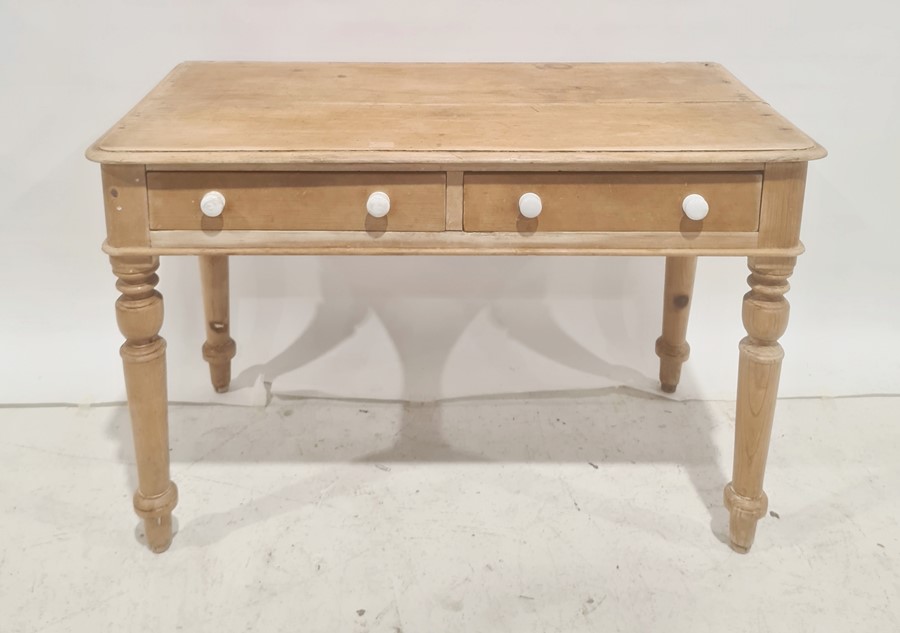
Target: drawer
{"type": "Point", "coordinates": [297, 201]}
{"type": "Point", "coordinates": [611, 201]}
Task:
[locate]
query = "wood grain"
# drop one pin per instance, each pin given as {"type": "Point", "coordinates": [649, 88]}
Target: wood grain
{"type": "Point", "coordinates": [672, 347]}
{"type": "Point", "coordinates": [297, 201]}
{"type": "Point", "coordinates": [139, 313]}
{"type": "Point", "coordinates": [782, 204]}
{"type": "Point", "coordinates": [448, 243]}
{"type": "Point", "coordinates": [612, 201]}
{"type": "Point", "coordinates": [274, 112]}
{"type": "Point", "coordinates": [219, 348]}
{"type": "Point", "coordinates": [432, 161]}
{"type": "Point", "coordinates": [125, 204]}
{"type": "Point", "coordinates": [454, 201]}
{"type": "Point", "coordinates": [212, 83]}
{"type": "Point", "coordinates": [765, 316]}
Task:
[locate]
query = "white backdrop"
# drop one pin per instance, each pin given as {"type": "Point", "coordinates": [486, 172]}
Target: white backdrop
{"type": "Point", "coordinates": [444, 327]}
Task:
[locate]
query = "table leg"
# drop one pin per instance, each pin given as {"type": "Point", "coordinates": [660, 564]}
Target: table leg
{"type": "Point", "coordinates": [672, 347]}
{"type": "Point", "coordinates": [219, 348]}
{"type": "Point", "coordinates": [139, 313]}
{"type": "Point", "coordinates": [765, 316]}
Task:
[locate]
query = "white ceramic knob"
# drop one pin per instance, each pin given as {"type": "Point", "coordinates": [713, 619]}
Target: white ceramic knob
{"type": "Point", "coordinates": [695, 206]}
{"type": "Point", "coordinates": [378, 204]}
{"type": "Point", "coordinates": [530, 205]}
{"type": "Point", "coordinates": [212, 204]}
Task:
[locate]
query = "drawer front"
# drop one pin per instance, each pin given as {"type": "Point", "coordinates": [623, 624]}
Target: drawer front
{"type": "Point", "coordinates": [297, 201]}
{"type": "Point", "coordinates": [611, 201]}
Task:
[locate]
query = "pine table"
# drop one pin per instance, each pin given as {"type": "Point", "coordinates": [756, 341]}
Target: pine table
{"type": "Point", "coordinates": [677, 160]}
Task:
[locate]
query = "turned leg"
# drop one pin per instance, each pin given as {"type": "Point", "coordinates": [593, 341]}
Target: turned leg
{"type": "Point", "coordinates": [219, 348]}
{"type": "Point", "coordinates": [139, 313]}
{"type": "Point", "coordinates": [671, 347]}
{"type": "Point", "coordinates": [765, 315]}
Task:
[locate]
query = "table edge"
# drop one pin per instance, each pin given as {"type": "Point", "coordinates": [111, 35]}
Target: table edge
{"type": "Point", "coordinates": [454, 159]}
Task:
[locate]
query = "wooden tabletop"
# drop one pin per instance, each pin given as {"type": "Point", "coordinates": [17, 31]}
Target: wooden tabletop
{"type": "Point", "coordinates": [263, 113]}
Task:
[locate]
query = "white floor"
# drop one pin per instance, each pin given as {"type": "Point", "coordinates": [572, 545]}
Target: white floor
{"type": "Point", "coordinates": [598, 512]}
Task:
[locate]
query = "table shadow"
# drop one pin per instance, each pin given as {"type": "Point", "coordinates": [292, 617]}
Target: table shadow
{"type": "Point", "coordinates": [421, 434]}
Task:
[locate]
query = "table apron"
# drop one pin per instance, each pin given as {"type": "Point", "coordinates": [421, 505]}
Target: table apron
{"type": "Point", "coordinates": [449, 243]}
